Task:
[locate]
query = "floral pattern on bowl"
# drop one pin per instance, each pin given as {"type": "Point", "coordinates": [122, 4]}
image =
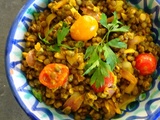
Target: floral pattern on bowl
{"type": "Point", "coordinates": [146, 107]}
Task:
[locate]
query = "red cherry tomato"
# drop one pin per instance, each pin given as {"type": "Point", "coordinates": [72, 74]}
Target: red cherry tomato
{"type": "Point", "coordinates": [109, 81]}
{"type": "Point", "coordinates": [146, 63]}
{"type": "Point", "coordinates": [54, 75]}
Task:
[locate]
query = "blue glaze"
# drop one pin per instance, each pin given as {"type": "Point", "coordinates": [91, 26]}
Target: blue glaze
{"type": "Point", "coordinates": [132, 106]}
{"type": "Point", "coordinates": [45, 110]}
{"type": "Point", "coordinates": [158, 1]}
{"type": "Point", "coordinates": [25, 20]}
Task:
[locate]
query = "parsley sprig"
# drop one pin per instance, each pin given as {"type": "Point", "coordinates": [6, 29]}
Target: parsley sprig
{"type": "Point", "coordinates": [61, 34]}
{"type": "Point", "coordinates": [96, 67]}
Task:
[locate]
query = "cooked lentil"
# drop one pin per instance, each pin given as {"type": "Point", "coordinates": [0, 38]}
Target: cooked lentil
{"type": "Point", "coordinates": [98, 105]}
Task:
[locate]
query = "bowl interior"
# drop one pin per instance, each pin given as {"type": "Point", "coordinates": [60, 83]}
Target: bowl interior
{"type": "Point", "coordinates": [147, 103]}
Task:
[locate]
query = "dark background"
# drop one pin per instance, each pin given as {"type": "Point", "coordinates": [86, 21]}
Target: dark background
{"type": "Point", "coordinates": [9, 108]}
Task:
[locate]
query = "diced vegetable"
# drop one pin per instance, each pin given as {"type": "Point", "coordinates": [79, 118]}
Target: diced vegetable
{"type": "Point", "coordinates": [38, 47]}
{"type": "Point", "coordinates": [72, 2]}
{"type": "Point", "coordinates": [59, 4]}
{"type": "Point", "coordinates": [127, 66]}
{"type": "Point", "coordinates": [130, 50]}
{"type": "Point", "coordinates": [72, 59]}
{"type": "Point", "coordinates": [75, 13]}
{"type": "Point", "coordinates": [59, 55]}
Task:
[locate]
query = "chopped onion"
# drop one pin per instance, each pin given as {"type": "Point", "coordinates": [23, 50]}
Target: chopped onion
{"type": "Point", "coordinates": [127, 66]}
{"type": "Point", "coordinates": [136, 40]}
{"type": "Point", "coordinates": [131, 78]}
{"type": "Point", "coordinates": [59, 4]}
{"type": "Point", "coordinates": [48, 20]}
{"type": "Point", "coordinates": [30, 58]}
{"type": "Point", "coordinates": [74, 101]}
{"type": "Point", "coordinates": [112, 107]}
{"type": "Point", "coordinates": [96, 14]}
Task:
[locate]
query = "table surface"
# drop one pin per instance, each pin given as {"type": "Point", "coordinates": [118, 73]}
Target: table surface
{"type": "Point", "coordinates": [9, 108]}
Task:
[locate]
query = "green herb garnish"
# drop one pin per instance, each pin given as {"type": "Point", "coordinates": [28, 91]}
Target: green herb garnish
{"type": "Point", "coordinates": [96, 67]}
{"type": "Point", "coordinates": [37, 94]}
{"type": "Point", "coordinates": [61, 34]}
{"type": "Point", "coordinates": [45, 39]}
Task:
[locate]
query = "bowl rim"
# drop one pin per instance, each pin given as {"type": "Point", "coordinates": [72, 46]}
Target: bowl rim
{"type": "Point", "coordinates": [7, 66]}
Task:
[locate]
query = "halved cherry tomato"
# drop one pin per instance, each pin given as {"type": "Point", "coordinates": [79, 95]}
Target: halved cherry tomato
{"type": "Point", "coordinates": [146, 63]}
{"type": "Point", "coordinates": [54, 75]}
{"type": "Point", "coordinates": [84, 28]}
{"type": "Point", "coordinates": [109, 81]}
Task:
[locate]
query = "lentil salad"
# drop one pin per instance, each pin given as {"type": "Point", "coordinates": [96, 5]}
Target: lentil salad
{"type": "Point", "coordinates": [125, 81]}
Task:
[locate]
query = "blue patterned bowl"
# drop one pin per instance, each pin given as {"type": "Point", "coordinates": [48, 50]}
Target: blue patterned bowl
{"type": "Point", "coordinates": [147, 107]}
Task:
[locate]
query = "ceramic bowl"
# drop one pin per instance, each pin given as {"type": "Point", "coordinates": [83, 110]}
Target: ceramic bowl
{"type": "Point", "coordinates": [147, 106]}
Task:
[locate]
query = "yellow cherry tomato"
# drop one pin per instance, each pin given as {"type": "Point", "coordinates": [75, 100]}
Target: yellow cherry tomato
{"type": "Point", "coordinates": [84, 28]}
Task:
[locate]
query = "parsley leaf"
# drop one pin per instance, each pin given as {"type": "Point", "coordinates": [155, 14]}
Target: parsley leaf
{"type": "Point", "coordinates": [121, 29]}
{"type": "Point", "coordinates": [61, 34]}
{"type": "Point", "coordinates": [117, 43]}
{"type": "Point", "coordinates": [104, 68]}
{"type": "Point", "coordinates": [94, 77]}
{"type": "Point", "coordinates": [54, 48]}
{"type": "Point", "coordinates": [95, 64]}
{"type": "Point", "coordinates": [114, 26]}
{"type": "Point", "coordinates": [110, 56]}
{"type": "Point", "coordinates": [103, 20]}
{"type": "Point", "coordinates": [115, 21]}
{"type": "Point", "coordinates": [37, 94]}
{"type": "Point", "coordinates": [89, 51]}
{"type": "Point", "coordinates": [100, 80]}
